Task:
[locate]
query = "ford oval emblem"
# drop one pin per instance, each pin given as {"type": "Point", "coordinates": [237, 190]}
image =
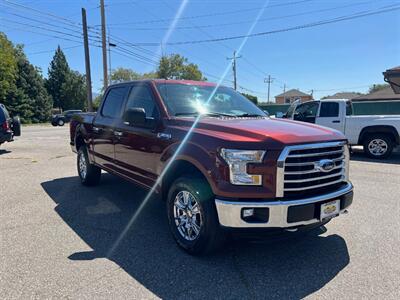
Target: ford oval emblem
{"type": "Point", "coordinates": [325, 165]}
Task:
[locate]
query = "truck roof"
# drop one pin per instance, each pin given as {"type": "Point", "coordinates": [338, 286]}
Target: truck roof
{"type": "Point", "coordinates": [334, 100]}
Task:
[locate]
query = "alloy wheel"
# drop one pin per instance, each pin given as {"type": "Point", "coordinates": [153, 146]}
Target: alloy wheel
{"type": "Point", "coordinates": [187, 215]}
{"type": "Point", "coordinates": [82, 165]}
{"type": "Point", "coordinates": [377, 147]}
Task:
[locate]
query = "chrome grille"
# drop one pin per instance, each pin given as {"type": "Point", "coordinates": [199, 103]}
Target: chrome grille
{"type": "Point", "coordinates": [303, 169]}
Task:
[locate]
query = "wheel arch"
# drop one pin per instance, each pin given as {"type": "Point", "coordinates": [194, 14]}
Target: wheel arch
{"type": "Point", "coordinates": [376, 129]}
{"type": "Point", "coordinates": [182, 166]}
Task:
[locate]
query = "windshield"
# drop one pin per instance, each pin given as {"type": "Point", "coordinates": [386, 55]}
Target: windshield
{"type": "Point", "coordinates": [191, 100]}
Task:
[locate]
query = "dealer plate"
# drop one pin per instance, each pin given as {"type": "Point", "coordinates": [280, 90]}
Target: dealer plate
{"type": "Point", "coordinates": [330, 209]}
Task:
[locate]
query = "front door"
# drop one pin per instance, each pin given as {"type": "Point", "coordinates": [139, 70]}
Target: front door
{"type": "Point", "coordinates": [104, 126]}
{"type": "Point", "coordinates": [306, 112]}
{"type": "Point", "coordinates": [138, 149]}
{"type": "Point", "coordinates": [329, 115]}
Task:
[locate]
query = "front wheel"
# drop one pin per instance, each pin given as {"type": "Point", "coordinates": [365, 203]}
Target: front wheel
{"type": "Point", "coordinates": [88, 173]}
{"type": "Point", "coordinates": [193, 217]}
{"type": "Point", "coordinates": [378, 146]}
{"type": "Point", "coordinates": [60, 122]}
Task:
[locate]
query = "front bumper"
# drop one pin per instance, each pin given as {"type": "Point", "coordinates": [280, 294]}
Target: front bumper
{"type": "Point", "coordinates": [282, 214]}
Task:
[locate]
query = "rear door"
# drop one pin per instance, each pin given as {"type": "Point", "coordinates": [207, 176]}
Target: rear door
{"type": "Point", "coordinates": [104, 125]}
{"type": "Point", "coordinates": [138, 148]}
{"type": "Point", "coordinates": [330, 115]}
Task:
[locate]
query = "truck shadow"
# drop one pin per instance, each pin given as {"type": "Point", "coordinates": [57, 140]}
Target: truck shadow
{"type": "Point", "coordinates": [288, 268]}
{"type": "Point", "coordinates": [358, 155]}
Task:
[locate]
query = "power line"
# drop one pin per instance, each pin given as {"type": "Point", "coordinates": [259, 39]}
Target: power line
{"type": "Point", "coordinates": [287, 29]}
{"type": "Point", "coordinates": [49, 51]}
{"type": "Point", "coordinates": [211, 14]}
{"type": "Point", "coordinates": [247, 21]}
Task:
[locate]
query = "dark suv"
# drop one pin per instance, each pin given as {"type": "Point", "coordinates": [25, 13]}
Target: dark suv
{"type": "Point", "coordinates": [61, 119]}
{"type": "Point", "coordinates": [9, 127]}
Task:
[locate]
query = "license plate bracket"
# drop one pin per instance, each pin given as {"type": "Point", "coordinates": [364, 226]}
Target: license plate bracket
{"type": "Point", "coordinates": [330, 210]}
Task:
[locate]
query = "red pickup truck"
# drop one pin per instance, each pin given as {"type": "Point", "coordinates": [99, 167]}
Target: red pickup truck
{"type": "Point", "coordinates": [217, 160]}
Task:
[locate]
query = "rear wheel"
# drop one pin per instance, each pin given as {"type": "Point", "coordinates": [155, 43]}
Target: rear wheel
{"type": "Point", "coordinates": [60, 122]}
{"type": "Point", "coordinates": [378, 146]}
{"type": "Point", "coordinates": [16, 126]}
{"type": "Point", "coordinates": [88, 173]}
{"type": "Point", "coordinates": [193, 217]}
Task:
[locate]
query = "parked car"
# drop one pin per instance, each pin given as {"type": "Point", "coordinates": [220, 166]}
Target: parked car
{"type": "Point", "coordinates": [216, 159]}
{"type": "Point", "coordinates": [378, 134]}
{"type": "Point", "coordinates": [9, 127]}
{"type": "Point", "coordinates": [61, 119]}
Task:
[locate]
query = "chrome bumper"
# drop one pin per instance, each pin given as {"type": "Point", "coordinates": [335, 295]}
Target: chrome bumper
{"type": "Point", "coordinates": [229, 212]}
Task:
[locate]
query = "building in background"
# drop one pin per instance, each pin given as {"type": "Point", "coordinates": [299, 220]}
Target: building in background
{"type": "Point", "coordinates": [386, 94]}
{"type": "Point", "coordinates": [343, 95]}
{"type": "Point", "coordinates": [291, 96]}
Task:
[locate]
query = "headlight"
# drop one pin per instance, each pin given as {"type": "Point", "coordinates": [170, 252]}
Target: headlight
{"type": "Point", "coordinates": [238, 160]}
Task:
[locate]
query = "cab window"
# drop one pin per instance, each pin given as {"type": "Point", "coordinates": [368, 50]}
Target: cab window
{"type": "Point", "coordinates": [141, 97]}
{"type": "Point", "coordinates": [113, 103]}
{"type": "Point", "coordinates": [329, 109]}
{"type": "Point", "coordinates": [308, 109]}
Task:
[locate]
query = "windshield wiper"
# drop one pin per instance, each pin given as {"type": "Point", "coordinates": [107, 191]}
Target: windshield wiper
{"type": "Point", "coordinates": [186, 114]}
{"type": "Point", "coordinates": [209, 114]}
{"type": "Point", "coordinates": [249, 115]}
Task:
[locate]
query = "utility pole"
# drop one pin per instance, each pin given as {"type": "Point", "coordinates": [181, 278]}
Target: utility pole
{"type": "Point", "coordinates": [269, 80]}
{"type": "Point", "coordinates": [109, 57]}
{"type": "Point", "coordinates": [284, 88]}
{"type": "Point", "coordinates": [87, 62]}
{"type": "Point", "coordinates": [104, 43]}
{"type": "Point", "coordinates": [234, 68]}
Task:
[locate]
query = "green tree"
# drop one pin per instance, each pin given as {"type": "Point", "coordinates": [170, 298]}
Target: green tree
{"type": "Point", "coordinates": [30, 100]}
{"type": "Point", "coordinates": [27, 96]}
{"type": "Point", "coordinates": [378, 87]}
{"type": "Point", "coordinates": [123, 74]}
{"type": "Point", "coordinates": [8, 67]}
{"type": "Point", "coordinates": [57, 73]}
{"type": "Point", "coordinates": [67, 87]}
{"type": "Point", "coordinates": [73, 91]}
{"type": "Point", "coordinates": [176, 66]}
{"type": "Point", "coordinates": [252, 98]}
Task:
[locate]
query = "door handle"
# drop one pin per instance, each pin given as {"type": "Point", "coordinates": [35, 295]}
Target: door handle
{"type": "Point", "coordinates": [163, 136]}
{"type": "Point", "coordinates": [96, 129]}
{"type": "Point", "coordinates": [336, 121]}
{"type": "Point", "coordinates": [118, 133]}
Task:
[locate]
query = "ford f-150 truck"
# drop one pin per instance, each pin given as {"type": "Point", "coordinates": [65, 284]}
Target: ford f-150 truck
{"type": "Point", "coordinates": [217, 159]}
{"type": "Point", "coordinates": [377, 134]}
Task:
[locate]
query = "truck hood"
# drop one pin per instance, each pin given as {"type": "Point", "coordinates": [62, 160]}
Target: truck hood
{"type": "Point", "coordinates": [282, 131]}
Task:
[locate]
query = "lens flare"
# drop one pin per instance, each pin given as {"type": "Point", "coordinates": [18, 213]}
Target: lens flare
{"type": "Point", "coordinates": [190, 131]}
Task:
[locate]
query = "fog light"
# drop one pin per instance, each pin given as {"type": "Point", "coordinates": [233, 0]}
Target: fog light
{"type": "Point", "coordinates": [248, 212]}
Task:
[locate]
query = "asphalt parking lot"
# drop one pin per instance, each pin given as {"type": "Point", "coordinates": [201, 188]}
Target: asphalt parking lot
{"type": "Point", "coordinates": [55, 234]}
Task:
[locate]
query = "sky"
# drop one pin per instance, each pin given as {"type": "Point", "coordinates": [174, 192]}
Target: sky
{"type": "Point", "coordinates": [349, 55]}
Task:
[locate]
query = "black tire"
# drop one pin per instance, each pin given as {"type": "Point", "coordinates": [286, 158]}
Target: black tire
{"type": "Point", "coordinates": [53, 123]}
{"type": "Point", "coordinates": [16, 126]}
{"type": "Point", "coordinates": [60, 122]}
{"type": "Point", "coordinates": [93, 173]}
{"type": "Point", "coordinates": [210, 236]}
{"type": "Point", "coordinates": [385, 142]}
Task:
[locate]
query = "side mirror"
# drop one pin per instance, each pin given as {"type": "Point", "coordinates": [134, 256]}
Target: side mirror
{"type": "Point", "coordinates": [135, 116]}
